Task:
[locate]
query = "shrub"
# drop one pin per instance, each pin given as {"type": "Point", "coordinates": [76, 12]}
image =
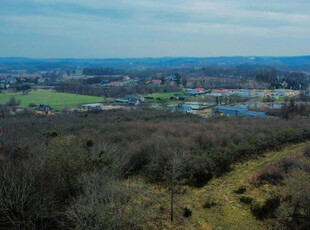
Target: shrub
{"type": "Point", "coordinates": [67, 159]}
{"type": "Point", "coordinates": [24, 204]}
{"type": "Point", "coordinates": [54, 133]}
{"type": "Point", "coordinates": [51, 134]}
{"type": "Point", "coordinates": [246, 199]}
{"type": "Point", "coordinates": [276, 172]}
{"type": "Point", "coordinates": [294, 212]}
{"type": "Point", "coordinates": [107, 203]}
{"type": "Point", "coordinates": [307, 150]}
{"type": "Point", "coordinates": [267, 208]}
{"type": "Point", "coordinates": [258, 211]}
{"type": "Point", "coordinates": [13, 102]}
{"type": "Point", "coordinates": [200, 178]}
{"type": "Point", "coordinates": [31, 105]}
{"type": "Point", "coordinates": [90, 143]}
{"type": "Point", "coordinates": [240, 190]}
{"type": "Point", "coordinates": [209, 204]}
{"type": "Point", "coordinates": [187, 212]}
{"type": "Point", "coordinates": [4, 111]}
{"type": "Point", "coordinates": [104, 157]}
{"type": "Point", "coordinates": [270, 175]}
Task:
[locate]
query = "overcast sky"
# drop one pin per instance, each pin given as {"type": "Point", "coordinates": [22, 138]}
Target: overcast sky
{"type": "Point", "coordinates": [154, 28]}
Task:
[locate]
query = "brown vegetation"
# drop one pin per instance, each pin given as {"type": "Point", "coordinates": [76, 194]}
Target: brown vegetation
{"type": "Point", "coordinates": [69, 171]}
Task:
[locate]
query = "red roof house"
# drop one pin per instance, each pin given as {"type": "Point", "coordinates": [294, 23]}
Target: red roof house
{"type": "Point", "coordinates": [116, 83]}
{"type": "Point", "coordinates": [41, 80]}
{"type": "Point", "coordinates": [156, 81]}
{"type": "Point", "coordinates": [200, 89]}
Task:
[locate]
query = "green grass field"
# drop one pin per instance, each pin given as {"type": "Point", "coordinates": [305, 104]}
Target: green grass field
{"type": "Point", "coordinates": [55, 99]}
{"type": "Point", "coordinates": [165, 95]}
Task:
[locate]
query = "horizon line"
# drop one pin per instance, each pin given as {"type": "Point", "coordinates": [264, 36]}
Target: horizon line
{"type": "Point", "coordinates": [150, 57]}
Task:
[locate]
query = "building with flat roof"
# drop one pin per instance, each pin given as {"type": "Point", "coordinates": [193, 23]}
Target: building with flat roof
{"type": "Point", "coordinates": [233, 111]}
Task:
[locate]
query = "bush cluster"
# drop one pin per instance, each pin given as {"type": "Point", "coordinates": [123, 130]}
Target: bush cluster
{"type": "Point", "coordinates": [307, 151]}
{"type": "Point", "coordinates": [70, 179]}
{"type": "Point", "coordinates": [240, 190]}
{"type": "Point", "coordinates": [246, 199]}
{"type": "Point", "coordinates": [276, 172]}
{"type": "Point", "coordinates": [267, 209]}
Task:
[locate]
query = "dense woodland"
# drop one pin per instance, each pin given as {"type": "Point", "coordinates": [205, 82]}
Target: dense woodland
{"type": "Point", "coordinates": [92, 171]}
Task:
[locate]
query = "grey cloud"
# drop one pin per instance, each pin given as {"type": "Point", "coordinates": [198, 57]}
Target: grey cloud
{"type": "Point", "coordinates": [105, 28]}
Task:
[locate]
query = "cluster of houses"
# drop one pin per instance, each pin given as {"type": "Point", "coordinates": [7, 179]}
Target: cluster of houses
{"type": "Point", "coordinates": [5, 82]}
{"type": "Point", "coordinates": [168, 80]}
{"type": "Point", "coordinates": [196, 92]}
{"type": "Point", "coordinates": [183, 109]}
{"type": "Point", "coordinates": [134, 81]}
{"type": "Point", "coordinates": [156, 82]}
{"type": "Point", "coordinates": [244, 92]}
{"type": "Point", "coordinates": [126, 80]}
{"type": "Point", "coordinates": [130, 100]}
{"type": "Point", "coordinates": [127, 100]}
{"type": "Point", "coordinates": [215, 92]}
{"type": "Point", "coordinates": [281, 93]}
{"type": "Point", "coordinates": [228, 111]}
{"type": "Point", "coordinates": [10, 82]}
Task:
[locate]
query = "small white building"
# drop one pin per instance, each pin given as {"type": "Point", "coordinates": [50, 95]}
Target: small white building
{"type": "Point", "coordinates": [93, 107]}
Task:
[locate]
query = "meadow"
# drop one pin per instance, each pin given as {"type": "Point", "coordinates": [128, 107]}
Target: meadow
{"type": "Point", "coordinates": [56, 100]}
{"type": "Point", "coordinates": [165, 95]}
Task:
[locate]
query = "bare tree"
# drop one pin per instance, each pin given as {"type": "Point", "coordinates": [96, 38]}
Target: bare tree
{"type": "Point", "coordinates": [176, 170]}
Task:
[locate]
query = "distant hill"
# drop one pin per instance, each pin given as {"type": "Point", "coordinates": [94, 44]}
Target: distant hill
{"type": "Point", "coordinates": [299, 63]}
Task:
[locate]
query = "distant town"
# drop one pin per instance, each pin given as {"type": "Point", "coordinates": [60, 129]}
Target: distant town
{"type": "Point", "coordinates": [96, 89]}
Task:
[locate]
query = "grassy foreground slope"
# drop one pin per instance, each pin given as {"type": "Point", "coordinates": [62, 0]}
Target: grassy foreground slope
{"type": "Point", "coordinates": [55, 99]}
{"type": "Point", "coordinates": [227, 212]}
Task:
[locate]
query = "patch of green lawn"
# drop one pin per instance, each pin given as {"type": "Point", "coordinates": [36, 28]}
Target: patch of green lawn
{"type": "Point", "coordinates": [126, 82]}
{"type": "Point", "coordinates": [281, 99]}
{"type": "Point", "coordinates": [165, 95]}
{"type": "Point", "coordinates": [55, 99]}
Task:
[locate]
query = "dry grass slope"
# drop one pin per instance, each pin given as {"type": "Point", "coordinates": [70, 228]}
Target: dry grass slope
{"type": "Point", "coordinates": [227, 212]}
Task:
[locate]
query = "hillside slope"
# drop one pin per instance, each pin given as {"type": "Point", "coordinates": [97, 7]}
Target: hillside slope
{"type": "Point", "coordinates": [216, 205]}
